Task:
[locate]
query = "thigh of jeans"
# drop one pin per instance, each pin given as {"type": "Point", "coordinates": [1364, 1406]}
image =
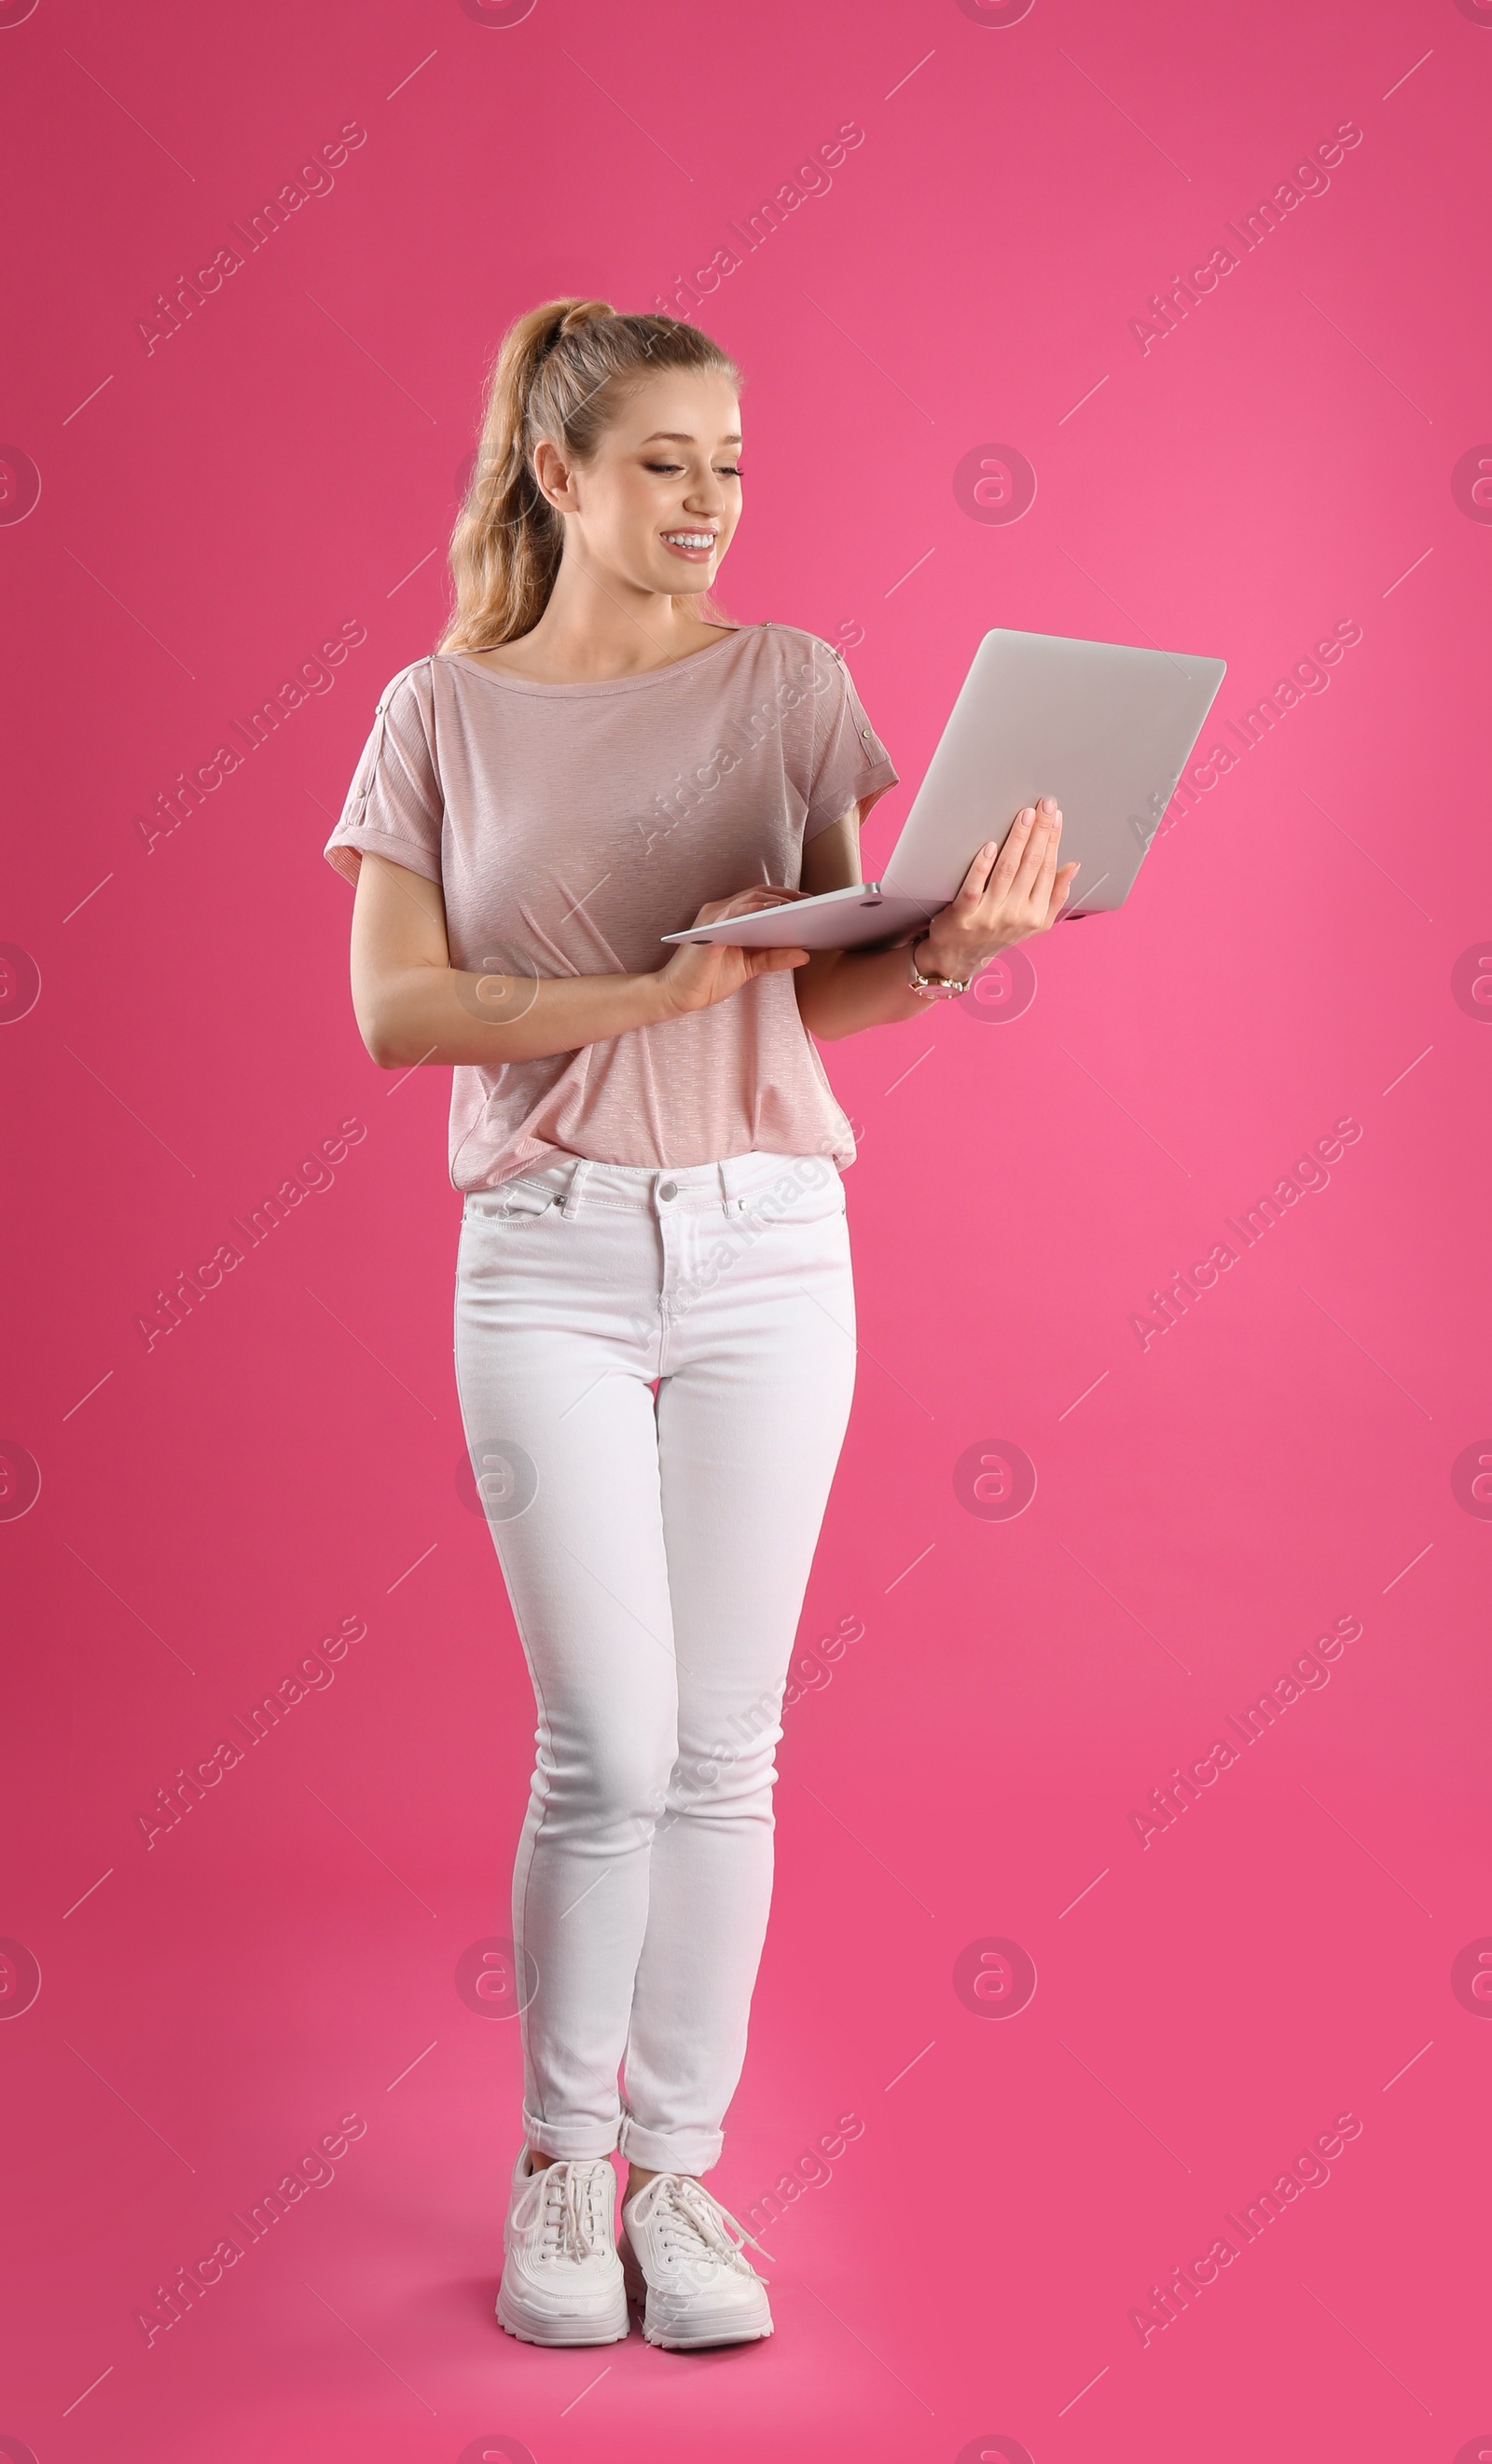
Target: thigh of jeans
{"type": "Point", "coordinates": [750, 1425]}
{"type": "Point", "coordinates": [553, 1377]}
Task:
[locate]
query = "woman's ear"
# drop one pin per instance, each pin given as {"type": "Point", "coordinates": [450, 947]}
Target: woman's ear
{"type": "Point", "coordinates": [554, 476]}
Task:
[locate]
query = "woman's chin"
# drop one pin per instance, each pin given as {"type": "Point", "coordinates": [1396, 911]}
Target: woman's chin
{"type": "Point", "coordinates": [685, 579]}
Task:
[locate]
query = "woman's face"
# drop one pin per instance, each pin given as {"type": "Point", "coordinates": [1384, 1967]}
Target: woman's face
{"type": "Point", "coordinates": [657, 507]}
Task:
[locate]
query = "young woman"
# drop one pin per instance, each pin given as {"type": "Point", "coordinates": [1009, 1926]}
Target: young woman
{"type": "Point", "coordinates": [655, 1319]}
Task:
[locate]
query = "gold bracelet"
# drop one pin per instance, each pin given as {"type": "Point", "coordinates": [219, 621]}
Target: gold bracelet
{"type": "Point", "coordinates": [931, 987]}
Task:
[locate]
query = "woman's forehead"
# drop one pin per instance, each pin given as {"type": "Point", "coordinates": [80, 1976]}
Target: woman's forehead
{"type": "Point", "coordinates": [680, 406]}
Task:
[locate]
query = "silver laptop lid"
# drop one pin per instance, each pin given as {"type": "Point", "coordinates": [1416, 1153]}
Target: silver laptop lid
{"type": "Point", "coordinates": [1103, 728]}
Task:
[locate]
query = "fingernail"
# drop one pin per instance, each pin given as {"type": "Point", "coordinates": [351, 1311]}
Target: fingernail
{"type": "Point", "coordinates": [1047, 805]}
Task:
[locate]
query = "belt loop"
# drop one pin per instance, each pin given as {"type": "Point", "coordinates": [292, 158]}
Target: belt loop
{"type": "Point", "coordinates": [577, 1184]}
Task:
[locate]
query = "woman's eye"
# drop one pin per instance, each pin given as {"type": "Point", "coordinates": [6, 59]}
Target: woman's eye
{"type": "Point", "coordinates": [667, 468]}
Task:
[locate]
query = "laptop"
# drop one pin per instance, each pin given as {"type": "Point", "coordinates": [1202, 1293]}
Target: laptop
{"type": "Point", "coordinates": [1103, 728]}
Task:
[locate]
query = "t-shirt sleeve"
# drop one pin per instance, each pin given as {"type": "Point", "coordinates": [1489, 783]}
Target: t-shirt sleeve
{"type": "Point", "coordinates": [849, 759]}
{"type": "Point", "coordinates": [395, 805]}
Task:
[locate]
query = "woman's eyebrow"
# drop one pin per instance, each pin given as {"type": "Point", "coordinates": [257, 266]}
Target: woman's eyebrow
{"type": "Point", "coordinates": [677, 436]}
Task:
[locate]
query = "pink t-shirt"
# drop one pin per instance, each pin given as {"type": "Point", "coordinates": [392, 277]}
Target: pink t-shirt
{"type": "Point", "coordinates": [570, 826]}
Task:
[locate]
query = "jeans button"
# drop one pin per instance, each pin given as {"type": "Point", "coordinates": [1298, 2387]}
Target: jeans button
{"type": "Point", "coordinates": [668, 1189]}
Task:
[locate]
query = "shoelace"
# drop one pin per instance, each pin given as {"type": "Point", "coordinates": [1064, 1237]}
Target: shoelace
{"type": "Point", "coordinates": [570, 2226]}
{"type": "Point", "coordinates": [692, 2226]}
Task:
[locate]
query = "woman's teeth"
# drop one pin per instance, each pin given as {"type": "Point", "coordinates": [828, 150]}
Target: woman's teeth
{"type": "Point", "coordinates": [690, 539]}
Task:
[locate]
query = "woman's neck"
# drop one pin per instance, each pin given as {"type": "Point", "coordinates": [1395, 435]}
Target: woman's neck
{"type": "Point", "coordinates": [594, 630]}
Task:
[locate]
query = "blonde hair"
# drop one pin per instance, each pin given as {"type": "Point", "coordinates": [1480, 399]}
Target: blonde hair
{"type": "Point", "coordinates": [563, 371]}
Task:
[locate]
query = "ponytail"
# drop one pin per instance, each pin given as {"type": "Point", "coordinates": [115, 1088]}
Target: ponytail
{"type": "Point", "coordinates": [561, 371]}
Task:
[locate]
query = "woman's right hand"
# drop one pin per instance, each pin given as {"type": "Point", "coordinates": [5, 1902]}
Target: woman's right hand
{"type": "Point", "coordinates": [702, 972]}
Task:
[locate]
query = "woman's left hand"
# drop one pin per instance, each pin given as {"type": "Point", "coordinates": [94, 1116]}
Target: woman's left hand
{"type": "Point", "coordinates": [1004, 897]}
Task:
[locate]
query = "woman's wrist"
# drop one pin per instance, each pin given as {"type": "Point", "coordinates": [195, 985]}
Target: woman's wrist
{"type": "Point", "coordinates": [929, 961]}
{"type": "Point", "coordinates": [657, 998]}
{"type": "Point", "coordinates": [962, 964]}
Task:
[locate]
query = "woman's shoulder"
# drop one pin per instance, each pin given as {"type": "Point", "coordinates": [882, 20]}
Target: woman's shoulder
{"type": "Point", "coordinates": [415, 676]}
{"type": "Point", "coordinates": [799, 652]}
{"type": "Point", "coordinates": [413, 681]}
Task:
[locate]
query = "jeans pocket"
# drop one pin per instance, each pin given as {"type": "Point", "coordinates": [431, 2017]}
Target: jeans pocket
{"type": "Point", "coordinates": [514, 1202]}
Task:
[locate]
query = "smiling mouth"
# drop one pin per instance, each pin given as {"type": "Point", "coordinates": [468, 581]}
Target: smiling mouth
{"type": "Point", "coordinates": [698, 546]}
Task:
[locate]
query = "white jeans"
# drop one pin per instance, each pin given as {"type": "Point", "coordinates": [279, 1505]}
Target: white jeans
{"type": "Point", "coordinates": [656, 1555]}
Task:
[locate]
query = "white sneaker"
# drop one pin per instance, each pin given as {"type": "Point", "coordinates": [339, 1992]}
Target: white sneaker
{"type": "Point", "coordinates": [561, 2279]}
{"type": "Point", "coordinates": [681, 2256]}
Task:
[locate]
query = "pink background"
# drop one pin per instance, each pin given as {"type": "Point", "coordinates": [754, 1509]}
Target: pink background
{"type": "Point", "coordinates": [1206, 1506]}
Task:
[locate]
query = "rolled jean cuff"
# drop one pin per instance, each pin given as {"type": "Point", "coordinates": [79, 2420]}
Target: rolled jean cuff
{"type": "Point", "coordinates": [675, 2151]}
{"type": "Point", "coordinates": [581, 2140]}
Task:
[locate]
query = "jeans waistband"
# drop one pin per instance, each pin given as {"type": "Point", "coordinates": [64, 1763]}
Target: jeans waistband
{"type": "Point", "coordinates": [650, 1189]}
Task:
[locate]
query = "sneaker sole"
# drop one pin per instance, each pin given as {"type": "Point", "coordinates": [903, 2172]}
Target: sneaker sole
{"type": "Point", "coordinates": [639, 2294]}
{"type": "Point", "coordinates": [720, 2336]}
{"type": "Point", "coordinates": [613, 2328]}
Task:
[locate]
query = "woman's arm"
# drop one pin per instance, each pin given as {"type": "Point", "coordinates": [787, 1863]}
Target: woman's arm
{"type": "Point", "coordinates": [412, 1005]}
{"type": "Point", "coordinates": [1004, 897]}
